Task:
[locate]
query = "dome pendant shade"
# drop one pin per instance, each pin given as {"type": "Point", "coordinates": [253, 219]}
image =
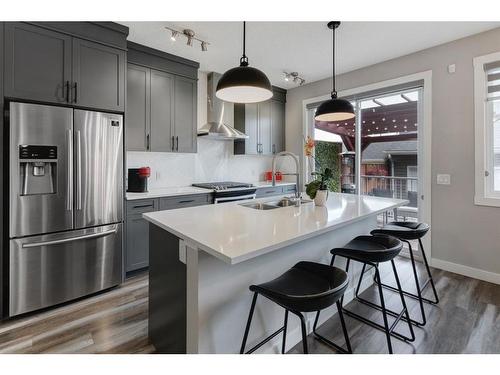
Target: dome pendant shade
{"type": "Point", "coordinates": [244, 84]}
{"type": "Point", "coordinates": [335, 110]}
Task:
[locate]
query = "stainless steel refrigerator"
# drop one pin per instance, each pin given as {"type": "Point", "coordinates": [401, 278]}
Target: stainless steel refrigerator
{"type": "Point", "coordinates": [66, 197]}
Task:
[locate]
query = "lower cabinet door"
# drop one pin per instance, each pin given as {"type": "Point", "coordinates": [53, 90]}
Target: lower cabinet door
{"type": "Point", "coordinates": [137, 248]}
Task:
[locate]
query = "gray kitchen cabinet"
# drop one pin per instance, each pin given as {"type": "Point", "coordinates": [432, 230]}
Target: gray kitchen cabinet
{"type": "Point", "coordinates": [137, 115]}
{"type": "Point", "coordinates": [161, 101]}
{"type": "Point", "coordinates": [137, 228]}
{"type": "Point", "coordinates": [278, 126]}
{"type": "Point", "coordinates": [137, 249]}
{"type": "Point", "coordinates": [137, 233]}
{"type": "Point", "coordinates": [160, 134]}
{"type": "Point", "coordinates": [184, 201]}
{"type": "Point", "coordinates": [46, 65]}
{"type": "Point", "coordinates": [37, 63]}
{"type": "Point", "coordinates": [185, 122]}
{"type": "Point", "coordinates": [264, 123]}
{"type": "Point", "coordinates": [98, 76]}
{"type": "Point", "coordinates": [265, 128]}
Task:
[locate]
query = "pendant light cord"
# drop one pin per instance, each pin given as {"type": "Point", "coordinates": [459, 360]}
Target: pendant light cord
{"type": "Point", "coordinates": [334, 91]}
{"type": "Point", "coordinates": [244, 58]}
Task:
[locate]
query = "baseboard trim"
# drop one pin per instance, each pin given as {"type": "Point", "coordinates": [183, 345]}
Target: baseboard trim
{"type": "Point", "coordinates": [460, 269]}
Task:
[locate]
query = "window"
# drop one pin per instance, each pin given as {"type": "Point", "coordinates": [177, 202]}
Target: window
{"type": "Point", "coordinates": [487, 129]}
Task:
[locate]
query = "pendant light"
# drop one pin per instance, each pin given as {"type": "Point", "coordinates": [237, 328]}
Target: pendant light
{"type": "Point", "coordinates": [244, 84]}
{"type": "Point", "coordinates": [335, 109]}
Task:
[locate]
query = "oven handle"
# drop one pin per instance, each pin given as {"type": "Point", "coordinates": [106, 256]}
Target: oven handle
{"type": "Point", "coordinates": [235, 198]}
{"type": "Point", "coordinates": [71, 239]}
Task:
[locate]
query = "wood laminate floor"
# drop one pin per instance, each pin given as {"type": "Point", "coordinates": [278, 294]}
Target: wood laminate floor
{"type": "Point", "coordinates": [467, 320]}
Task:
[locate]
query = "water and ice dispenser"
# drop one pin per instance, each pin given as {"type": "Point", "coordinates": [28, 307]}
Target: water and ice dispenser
{"type": "Point", "coordinates": [38, 169]}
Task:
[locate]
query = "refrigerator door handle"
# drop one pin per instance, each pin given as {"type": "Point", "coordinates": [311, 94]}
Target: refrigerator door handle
{"type": "Point", "coordinates": [78, 170]}
{"type": "Point", "coordinates": [72, 239]}
{"type": "Point", "coordinates": [69, 182]}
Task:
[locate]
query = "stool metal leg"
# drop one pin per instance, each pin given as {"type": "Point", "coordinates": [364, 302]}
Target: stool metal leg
{"type": "Point", "coordinates": [386, 323]}
{"type": "Point", "coordinates": [304, 332]}
{"type": "Point", "coordinates": [403, 301]}
{"type": "Point", "coordinates": [436, 300]}
{"type": "Point", "coordinates": [326, 341]}
{"type": "Point", "coordinates": [249, 321]}
{"type": "Point", "coordinates": [285, 325]}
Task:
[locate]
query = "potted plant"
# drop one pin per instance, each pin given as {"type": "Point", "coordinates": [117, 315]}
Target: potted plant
{"type": "Point", "coordinates": [318, 188]}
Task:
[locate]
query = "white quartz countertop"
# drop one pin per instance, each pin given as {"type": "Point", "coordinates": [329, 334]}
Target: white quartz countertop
{"type": "Point", "coordinates": [234, 233]}
{"type": "Point", "coordinates": [187, 190]}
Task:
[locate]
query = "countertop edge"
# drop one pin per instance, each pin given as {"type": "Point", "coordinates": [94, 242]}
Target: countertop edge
{"type": "Point", "coordinates": [152, 195]}
{"type": "Point", "coordinates": [271, 248]}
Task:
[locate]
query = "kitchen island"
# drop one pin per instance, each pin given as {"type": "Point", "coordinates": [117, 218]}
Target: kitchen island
{"type": "Point", "coordinates": [203, 259]}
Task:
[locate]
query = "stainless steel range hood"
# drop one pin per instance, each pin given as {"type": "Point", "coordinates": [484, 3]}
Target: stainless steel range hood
{"type": "Point", "coordinates": [219, 114]}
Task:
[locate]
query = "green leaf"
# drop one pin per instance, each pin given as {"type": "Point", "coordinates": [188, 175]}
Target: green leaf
{"type": "Point", "coordinates": [312, 188]}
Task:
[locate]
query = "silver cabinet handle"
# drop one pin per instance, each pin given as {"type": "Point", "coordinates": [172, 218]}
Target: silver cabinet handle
{"type": "Point", "coordinates": [147, 142]}
{"type": "Point", "coordinates": [274, 148]}
{"type": "Point", "coordinates": [78, 170]}
{"type": "Point", "coordinates": [69, 181]}
{"type": "Point", "coordinates": [172, 146]}
{"type": "Point", "coordinates": [177, 141]}
{"type": "Point", "coordinates": [71, 239]}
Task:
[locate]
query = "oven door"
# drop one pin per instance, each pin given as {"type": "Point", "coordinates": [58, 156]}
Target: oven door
{"type": "Point", "coordinates": [234, 196]}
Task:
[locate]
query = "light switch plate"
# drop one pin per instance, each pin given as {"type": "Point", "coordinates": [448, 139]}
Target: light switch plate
{"type": "Point", "coordinates": [451, 68]}
{"type": "Point", "coordinates": [443, 179]}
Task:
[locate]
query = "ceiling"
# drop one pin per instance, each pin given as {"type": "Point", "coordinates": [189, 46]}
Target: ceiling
{"type": "Point", "coordinates": [304, 47]}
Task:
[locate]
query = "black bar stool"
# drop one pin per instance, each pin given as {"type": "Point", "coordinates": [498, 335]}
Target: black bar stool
{"type": "Point", "coordinates": [406, 231]}
{"type": "Point", "coordinates": [306, 287]}
{"type": "Point", "coordinates": [372, 250]}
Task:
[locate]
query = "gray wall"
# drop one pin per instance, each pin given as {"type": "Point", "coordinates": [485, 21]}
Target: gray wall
{"type": "Point", "coordinates": [462, 233]}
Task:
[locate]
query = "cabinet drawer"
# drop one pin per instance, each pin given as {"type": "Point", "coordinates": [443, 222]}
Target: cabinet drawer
{"type": "Point", "coordinates": [185, 201]}
{"type": "Point", "coordinates": [142, 206]}
{"type": "Point", "coordinates": [288, 189]}
{"type": "Point", "coordinates": [269, 191]}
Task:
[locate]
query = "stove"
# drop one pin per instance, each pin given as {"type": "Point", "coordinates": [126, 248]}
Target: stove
{"type": "Point", "coordinates": [228, 191]}
{"type": "Point", "coordinates": [225, 185]}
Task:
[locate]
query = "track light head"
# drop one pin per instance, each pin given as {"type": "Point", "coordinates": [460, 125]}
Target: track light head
{"type": "Point", "coordinates": [204, 46]}
{"type": "Point", "coordinates": [174, 35]}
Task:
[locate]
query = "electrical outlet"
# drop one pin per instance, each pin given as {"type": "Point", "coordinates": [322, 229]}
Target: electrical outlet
{"type": "Point", "coordinates": [451, 68]}
{"type": "Point", "coordinates": [443, 179]}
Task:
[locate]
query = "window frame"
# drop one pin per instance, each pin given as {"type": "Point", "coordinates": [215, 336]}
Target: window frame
{"type": "Point", "coordinates": [484, 194]}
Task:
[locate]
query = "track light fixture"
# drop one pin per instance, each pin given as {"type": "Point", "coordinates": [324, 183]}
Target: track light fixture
{"type": "Point", "coordinates": [294, 76]}
{"type": "Point", "coordinates": [190, 36]}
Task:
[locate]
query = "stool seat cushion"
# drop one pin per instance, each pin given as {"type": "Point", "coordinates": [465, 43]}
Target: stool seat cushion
{"type": "Point", "coordinates": [405, 230]}
{"type": "Point", "coordinates": [307, 286]}
{"type": "Point", "coordinates": [376, 248]}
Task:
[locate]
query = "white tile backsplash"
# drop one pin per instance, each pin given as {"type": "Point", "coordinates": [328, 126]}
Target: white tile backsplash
{"type": "Point", "coordinates": [213, 162]}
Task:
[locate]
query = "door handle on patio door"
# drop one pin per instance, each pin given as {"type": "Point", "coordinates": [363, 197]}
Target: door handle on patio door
{"type": "Point", "coordinates": [78, 170]}
{"type": "Point", "coordinates": [69, 179]}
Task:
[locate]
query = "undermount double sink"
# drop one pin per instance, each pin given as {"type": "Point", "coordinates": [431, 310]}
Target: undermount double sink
{"type": "Point", "coordinates": [263, 206]}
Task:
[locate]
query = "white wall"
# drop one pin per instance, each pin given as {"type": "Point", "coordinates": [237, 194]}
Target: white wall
{"type": "Point", "coordinates": [214, 160]}
{"type": "Point", "coordinates": [463, 234]}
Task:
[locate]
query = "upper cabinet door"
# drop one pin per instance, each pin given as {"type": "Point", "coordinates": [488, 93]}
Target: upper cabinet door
{"type": "Point", "coordinates": [185, 122]}
{"type": "Point", "coordinates": [161, 136]}
{"type": "Point", "coordinates": [265, 131]}
{"type": "Point", "coordinates": [98, 76]}
{"type": "Point", "coordinates": [278, 126]}
{"type": "Point", "coordinates": [137, 119]}
{"type": "Point", "coordinates": [37, 63]}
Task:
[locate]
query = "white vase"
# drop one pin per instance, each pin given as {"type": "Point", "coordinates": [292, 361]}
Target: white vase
{"type": "Point", "coordinates": [321, 198]}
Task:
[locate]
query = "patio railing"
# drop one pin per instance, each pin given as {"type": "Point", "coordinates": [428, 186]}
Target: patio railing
{"type": "Point", "coordinates": [391, 187]}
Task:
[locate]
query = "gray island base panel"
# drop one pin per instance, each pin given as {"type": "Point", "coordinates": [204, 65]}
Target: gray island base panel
{"type": "Point", "coordinates": [199, 302]}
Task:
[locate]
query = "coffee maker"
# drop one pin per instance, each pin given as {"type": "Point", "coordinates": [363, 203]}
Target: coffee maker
{"type": "Point", "coordinates": [138, 179]}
